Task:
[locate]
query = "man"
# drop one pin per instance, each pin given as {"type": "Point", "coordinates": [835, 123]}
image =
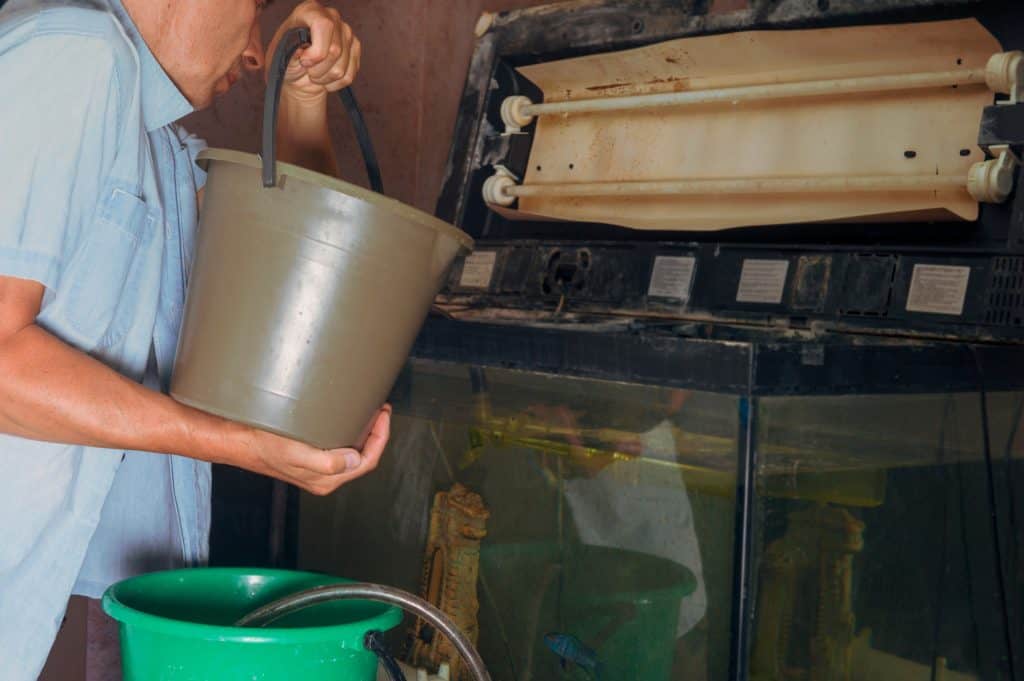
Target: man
{"type": "Point", "coordinates": [98, 205]}
{"type": "Point", "coordinates": [638, 506]}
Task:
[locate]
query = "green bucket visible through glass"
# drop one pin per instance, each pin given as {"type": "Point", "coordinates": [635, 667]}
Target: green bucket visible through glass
{"type": "Point", "coordinates": [177, 626]}
{"type": "Point", "coordinates": [624, 605]}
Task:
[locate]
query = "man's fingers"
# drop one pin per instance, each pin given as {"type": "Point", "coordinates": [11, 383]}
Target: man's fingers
{"type": "Point", "coordinates": [321, 29]}
{"type": "Point", "coordinates": [378, 439]}
{"type": "Point", "coordinates": [324, 486]}
{"type": "Point", "coordinates": [321, 472]}
{"type": "Point", "coordinates": [339, 55]}
{"type": "Point", "coordinates": [322, 71]}
{"type": "Point", "coordinates": [326, 462]}
{"type": "Point", "coordinates": [345, 78]}
{"type": "Point", "coordinates": [376, 442]}
{"type": "Point", "coordinates": [331, 60]}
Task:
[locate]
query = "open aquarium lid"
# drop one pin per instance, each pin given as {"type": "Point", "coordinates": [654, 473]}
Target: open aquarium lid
{"type": "Point", "coordinates": [950, 266]}
{"type": "Point", "coordinates": [757, 128]}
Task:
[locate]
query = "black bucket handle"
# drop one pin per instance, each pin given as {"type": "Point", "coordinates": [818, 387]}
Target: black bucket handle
{"type": "Point", "coordinates": [290, 42]}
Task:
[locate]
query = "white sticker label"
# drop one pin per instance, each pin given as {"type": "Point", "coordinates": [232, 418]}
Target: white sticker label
{"type": "Point", "coordinates": [762, 281]}
{"type": "Point", "coordinates": [939, 289]}
{"type": "Point", "coordinates": [478, 269]}
{"type": "Point", "coordinates": [672, 277]}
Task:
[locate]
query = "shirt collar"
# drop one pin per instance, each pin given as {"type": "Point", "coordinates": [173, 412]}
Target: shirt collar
{"type": "Point", "coordinates": [162, 101]}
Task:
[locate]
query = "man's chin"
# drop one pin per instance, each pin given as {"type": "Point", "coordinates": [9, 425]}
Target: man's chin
{"type": "Point", "coordinates": [204, 100]}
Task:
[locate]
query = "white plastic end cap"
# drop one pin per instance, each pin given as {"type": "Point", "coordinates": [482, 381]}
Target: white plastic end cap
{"type": "Point", "coordinates": [512, 114]}
{"type": "Point", "coordinates": [990, 181]}
{"type": "Point", "coordinates": [496, 188]}
{"type": "Point", "coordinates": [1004, 71]}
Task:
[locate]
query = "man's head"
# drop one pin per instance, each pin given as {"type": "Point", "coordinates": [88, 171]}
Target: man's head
{"type": "Point", "coordinates": [203, 45]}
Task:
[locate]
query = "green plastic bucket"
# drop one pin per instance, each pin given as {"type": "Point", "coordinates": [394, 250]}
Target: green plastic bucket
{"type": "Point", "coordinates": [177, 626]}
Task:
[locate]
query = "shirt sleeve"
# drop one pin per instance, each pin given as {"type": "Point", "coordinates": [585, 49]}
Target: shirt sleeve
{"type": "Point", "coordinates": [58, 138]}
{"type": "Point", "coordinates": [194, 145]}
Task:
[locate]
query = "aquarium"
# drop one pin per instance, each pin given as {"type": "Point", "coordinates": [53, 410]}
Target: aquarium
{"type": "Point", "coordinates": [590, 529]}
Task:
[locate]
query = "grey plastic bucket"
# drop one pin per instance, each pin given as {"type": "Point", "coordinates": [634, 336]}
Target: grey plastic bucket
{"type": "Point", "coordinates": [305, 299]}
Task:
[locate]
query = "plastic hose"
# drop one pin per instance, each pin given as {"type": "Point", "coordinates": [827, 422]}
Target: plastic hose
{"type": "Point", "coordinates": [263, 616]}
{"type": "Point", "coordinates": [290, 42]}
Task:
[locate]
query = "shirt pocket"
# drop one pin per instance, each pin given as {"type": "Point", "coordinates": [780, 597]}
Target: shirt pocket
{"type": "Point", "coordinates": [98, 301]}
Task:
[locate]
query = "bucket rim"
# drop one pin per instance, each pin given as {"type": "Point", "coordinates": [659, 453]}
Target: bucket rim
{"type": "Point", "coordinates": [389, 617]}
{"type": "Point", "coordinates": [327, 182]}
{"type": "Point", "coordinates": [685, 587]}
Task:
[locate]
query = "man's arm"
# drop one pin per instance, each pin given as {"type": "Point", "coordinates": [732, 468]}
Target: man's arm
{"type": "Point", "coordinates": [329, 64]}
{"type": "Point", "coordinates": [51, 391]}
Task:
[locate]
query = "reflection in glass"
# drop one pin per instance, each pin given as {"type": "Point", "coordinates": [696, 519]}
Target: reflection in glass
{"type": "Point", "coordinates": [583, 529]}
{"type": "Point", "coordinates": [591, 520]}
{"type": "Point", "coordinates": [881, 563]}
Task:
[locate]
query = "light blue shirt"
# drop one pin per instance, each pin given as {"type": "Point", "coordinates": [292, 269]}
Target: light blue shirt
{"type": "Point", "coordinates": [98, 203]}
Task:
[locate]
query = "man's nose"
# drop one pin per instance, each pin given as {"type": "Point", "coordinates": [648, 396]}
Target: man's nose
{"type": "Point", "coordinates": [252, 57]}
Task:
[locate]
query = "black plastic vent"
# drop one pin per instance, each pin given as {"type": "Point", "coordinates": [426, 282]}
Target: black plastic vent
{"type": "Point", "coordinates": [1006, 293]}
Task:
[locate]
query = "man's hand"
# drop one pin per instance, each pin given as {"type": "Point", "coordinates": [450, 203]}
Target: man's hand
{"type": "Point", "coordinates": [565, 420]}
{"type": "Point", "coordinates": [318, 471]}
{"type": "Point", "coordinates": [329, 64]}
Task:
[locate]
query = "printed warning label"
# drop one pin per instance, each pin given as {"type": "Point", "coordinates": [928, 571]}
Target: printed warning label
{"type": "Point", "coordinates": [672, 277]}
{"type": "Point", "coordinates": [762, 281]}
{"type": "Point", "coordinates": [938, 289]}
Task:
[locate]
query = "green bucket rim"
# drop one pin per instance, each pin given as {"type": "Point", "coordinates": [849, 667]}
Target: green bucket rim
{"type": "Point", "coordinates": [684, 588]}
{"type": "Point", "coordinates": [125, 614]}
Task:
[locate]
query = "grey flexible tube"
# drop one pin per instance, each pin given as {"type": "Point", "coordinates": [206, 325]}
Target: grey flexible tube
{"type": "Point", "coordinates": [266, 614]}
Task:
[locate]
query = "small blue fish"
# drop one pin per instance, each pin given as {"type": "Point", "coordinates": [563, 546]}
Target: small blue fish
{"type": "Point", "coordinates": [572, 651]}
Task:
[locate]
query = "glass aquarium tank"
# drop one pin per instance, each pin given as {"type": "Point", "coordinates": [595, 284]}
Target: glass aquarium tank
{"type": "Point", "coordinates": [583, 528]}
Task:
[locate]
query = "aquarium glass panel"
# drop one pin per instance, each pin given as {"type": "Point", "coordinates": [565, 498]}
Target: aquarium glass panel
{"type": "Point", "coordinates": [579, 529]}
{"type": "Point", "coordinates": [878, 556]}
